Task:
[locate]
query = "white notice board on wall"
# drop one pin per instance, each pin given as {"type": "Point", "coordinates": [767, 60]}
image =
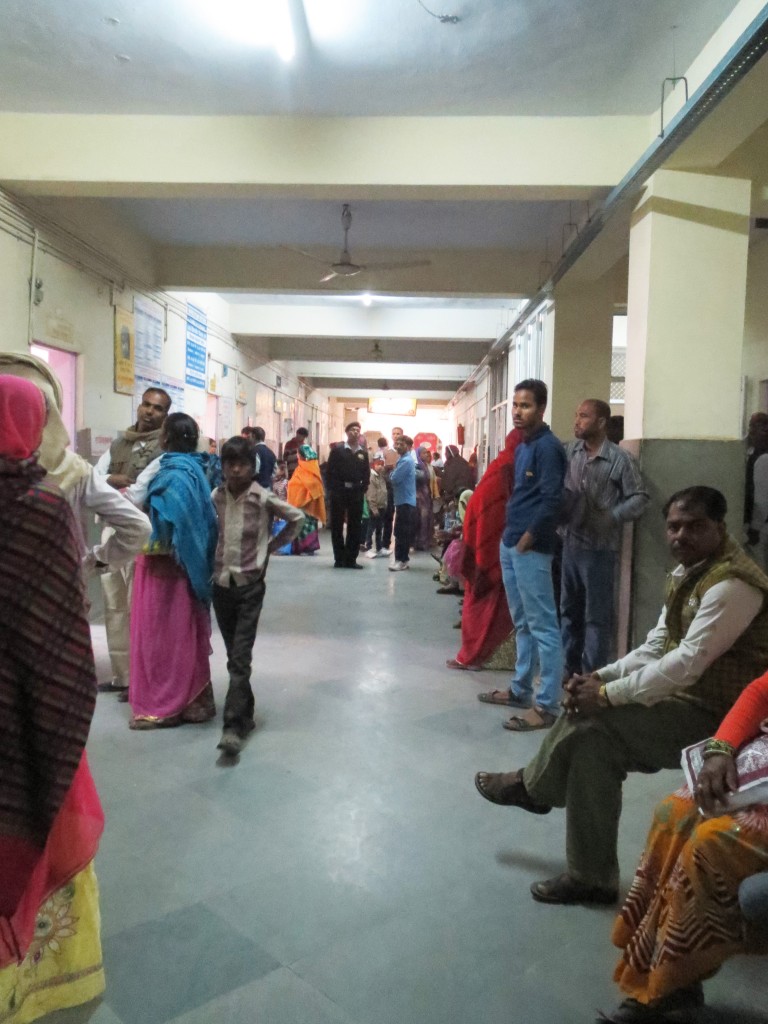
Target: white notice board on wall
{"type": "Point", "coordinates": [149, 328]}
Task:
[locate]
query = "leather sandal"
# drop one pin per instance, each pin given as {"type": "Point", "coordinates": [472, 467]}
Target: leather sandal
{"type": "Point", "coordinates": [503, 697]}
{"type": "Point", "coordinates": [508, 790]}
{"type": "Point", "coordinates": [455, 663]}
{"type": "Point", "coordinates": [565, 890]}
{"type": "Point", "coordinates": [537, 718]}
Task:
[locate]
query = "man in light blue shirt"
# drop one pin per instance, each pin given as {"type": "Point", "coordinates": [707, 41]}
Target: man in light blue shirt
{"type": "Point", "coordinates": [403, 480]}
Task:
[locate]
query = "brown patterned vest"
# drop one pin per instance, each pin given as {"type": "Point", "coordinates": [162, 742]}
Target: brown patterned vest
{"type": "Point", "coordinates": [721, 683]}
{"type": "Point", "coordinates": [133, 452]}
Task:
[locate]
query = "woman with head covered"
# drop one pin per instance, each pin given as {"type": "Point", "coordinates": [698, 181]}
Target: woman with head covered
{"type": "Point", "coordinates": [50, 816]}
{"type": "Point", "coordinates": [86, 491]}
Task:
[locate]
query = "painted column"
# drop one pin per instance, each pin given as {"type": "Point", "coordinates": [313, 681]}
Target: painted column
{"type": "Point", "coordinates": [582, 349]}
{"type": "Point", "coordinates": [685, 329]}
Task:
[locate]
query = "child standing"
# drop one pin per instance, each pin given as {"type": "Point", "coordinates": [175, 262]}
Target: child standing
{"type": "Point", "coordinates": [245, 511]}
{"type": "Point", "coordinates": [280, 481]}
{"type": "Point", "coordinates": [376, 496]}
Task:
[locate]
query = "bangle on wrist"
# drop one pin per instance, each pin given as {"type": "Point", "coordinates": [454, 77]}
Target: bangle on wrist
{"type": "Point", "coordinates": [603, 695]}
{"type": "Point", "coordinates": [713, 748]}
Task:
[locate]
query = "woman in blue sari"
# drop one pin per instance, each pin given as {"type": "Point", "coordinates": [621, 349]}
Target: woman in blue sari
{"type": "Point", "coordinates": [170, 681]}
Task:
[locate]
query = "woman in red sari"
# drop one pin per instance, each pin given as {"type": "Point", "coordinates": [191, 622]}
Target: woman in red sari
{"type": "Point", "coordinates": [485, 621]}
{"type": "Point", "coordinates": [50, 816]}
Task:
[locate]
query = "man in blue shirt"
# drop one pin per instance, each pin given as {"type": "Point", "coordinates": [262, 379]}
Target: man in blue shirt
{"type": "Point", "coordinates": [403, 480]}
{"type": "Point", "coordinates": [527, 547]}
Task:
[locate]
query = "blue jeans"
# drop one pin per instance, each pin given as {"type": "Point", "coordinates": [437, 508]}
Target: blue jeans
{"type": "Point", "coordinates": [531, 600]}
{"type": "Point", "coordinates": [586, 608]}
{"type": "Point", "coordinates": [753, 899]}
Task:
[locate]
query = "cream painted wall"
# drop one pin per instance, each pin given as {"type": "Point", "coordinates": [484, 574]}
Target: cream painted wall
{"type": "Point", "coordinates": [685, 311]}
{"type": "Point", "coordinates": [471, 410]}
{"type": "Point", "coordinates": [76, 314]}
{"type": "Point", "coordinates": [755, 352]}
{"type": "Point", "coordinates": [98, 154]}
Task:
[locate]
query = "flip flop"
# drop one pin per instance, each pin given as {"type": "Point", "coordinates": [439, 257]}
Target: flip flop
{"type": "Point", "coordinates": [503, 697]}
{"type": "Point", "coordinates": [519, 723]}
{"type": "Point", "coordinates": [453, 663]}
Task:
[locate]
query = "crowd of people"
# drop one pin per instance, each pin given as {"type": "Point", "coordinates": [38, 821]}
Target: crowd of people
{"type": "Point", "coordinates": [532, 549]}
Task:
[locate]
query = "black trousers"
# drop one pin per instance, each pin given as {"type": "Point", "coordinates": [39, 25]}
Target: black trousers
{"type": "Point", "coordinates": [237, 613]}
{"type": "Point", "coordinates": [405, 516]}
{"type": "Point", "coordinates": [346, 506]}
{"type": "Point", "coordinates": [389, 515]}
{"type": "Point", "coordinates": [373, 532]}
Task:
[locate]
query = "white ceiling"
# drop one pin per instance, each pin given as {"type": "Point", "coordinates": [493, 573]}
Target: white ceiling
{"type": "Point", "coordinates": [375, 225]}
{"type": "Point", "coordinates": [356, 57]}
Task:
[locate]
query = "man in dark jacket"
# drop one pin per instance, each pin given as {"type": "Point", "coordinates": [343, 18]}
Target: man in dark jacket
{"type": "Point", "coordinates": [347, 476]}
{"type": "Point", "coordinates": [267, 458]}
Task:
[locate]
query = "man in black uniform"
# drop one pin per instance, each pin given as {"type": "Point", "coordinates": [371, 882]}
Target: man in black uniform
{"type": "Point", "coordinates": [347, 476]}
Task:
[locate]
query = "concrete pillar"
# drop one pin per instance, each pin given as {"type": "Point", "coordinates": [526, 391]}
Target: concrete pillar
{"type": "Point", "coordinates": [685, 328]}
{"type": "Point", "coordinates": [582, 348]}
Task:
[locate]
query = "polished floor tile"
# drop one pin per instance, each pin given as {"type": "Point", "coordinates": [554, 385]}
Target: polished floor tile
{"type": "Point", "coordinates": [345, 871]}
{"type": "Point", "coordinates": [162, 968]}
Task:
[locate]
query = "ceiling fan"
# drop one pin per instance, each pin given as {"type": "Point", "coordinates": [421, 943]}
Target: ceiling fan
{"type": "Point", "coordinates": [344, 267]}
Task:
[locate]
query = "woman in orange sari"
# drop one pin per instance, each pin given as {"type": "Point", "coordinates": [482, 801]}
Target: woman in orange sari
{"type": "Point", "coordinates": [681, 919]}
{"type": "Point", "coordinates": [306, 491]}
{"type": "Point", "coordinates": [50, 816]}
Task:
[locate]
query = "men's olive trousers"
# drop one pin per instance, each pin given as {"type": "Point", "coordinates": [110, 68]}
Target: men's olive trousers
{"type": "Point", "coordinates": [582, 764]}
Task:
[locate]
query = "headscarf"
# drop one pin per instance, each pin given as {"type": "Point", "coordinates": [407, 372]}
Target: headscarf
{"type": "Point", "coordinates": [422, 473]}
{"type": "Point", "coordinates": [461, 505]}
{"type": "Point", "coordinates": [457, 473]}
{"type": "Point", "coordinates": [485, 518]}
{"type": "Point", "coordinates": [22, 417]}
{"type": "Point", "coordinates": [305, 488]}
{"type": "Point", "coordinates": [183, 518]}
{"type": "Point", "coordinates": [430, 477]}
{"type": "Point", "coordinates": [65, 468]}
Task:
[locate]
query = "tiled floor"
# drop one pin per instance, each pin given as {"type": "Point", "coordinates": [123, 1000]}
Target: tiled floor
{"type": "Point", "coordinates": [345, 871]}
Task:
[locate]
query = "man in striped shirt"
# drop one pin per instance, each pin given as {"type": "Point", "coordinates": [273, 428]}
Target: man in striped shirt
{"type": "Point", "coordinates": [246, 511]}
{"type": "Point", "coordinates": [603, 490]}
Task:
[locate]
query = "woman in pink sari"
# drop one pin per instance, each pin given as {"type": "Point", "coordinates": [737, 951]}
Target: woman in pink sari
{"type": "Point", "coordinates": [170, 610]}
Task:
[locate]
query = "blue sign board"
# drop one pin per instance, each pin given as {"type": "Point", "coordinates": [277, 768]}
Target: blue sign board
{"type": "Point", "coordinates": [197, 338]}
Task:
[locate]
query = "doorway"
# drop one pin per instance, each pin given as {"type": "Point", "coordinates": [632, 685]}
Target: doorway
{"type": "Point", "coordinates": [64, 365]}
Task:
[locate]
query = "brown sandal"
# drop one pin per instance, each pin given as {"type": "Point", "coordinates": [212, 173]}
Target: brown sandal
{"type": "Point", "coordinates": [536, 718]}
{"type": "Point", "coordinates": [503, 697]}
{"type": "Point", "coordinates": [508, 790]}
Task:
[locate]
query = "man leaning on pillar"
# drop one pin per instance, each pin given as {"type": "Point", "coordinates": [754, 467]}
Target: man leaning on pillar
{"type": "Point", "coordinates": [638, 714]}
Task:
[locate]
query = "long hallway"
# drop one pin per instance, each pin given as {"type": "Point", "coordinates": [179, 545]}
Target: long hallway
{"type": "Point", "coordinates": [345, 871]}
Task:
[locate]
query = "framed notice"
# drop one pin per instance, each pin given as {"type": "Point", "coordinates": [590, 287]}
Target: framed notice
{"type": "Point", "coordinates": [125, 352]}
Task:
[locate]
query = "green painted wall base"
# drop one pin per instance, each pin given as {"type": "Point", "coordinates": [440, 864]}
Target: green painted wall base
{"type": "Point", "coordinates": [668, 466]}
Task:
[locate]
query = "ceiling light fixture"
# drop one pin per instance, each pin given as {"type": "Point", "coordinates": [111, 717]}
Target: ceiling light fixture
{"type": "Point", "coordinates": [261, 23]}
{"type": "Point", "coordinates": [366, 298]}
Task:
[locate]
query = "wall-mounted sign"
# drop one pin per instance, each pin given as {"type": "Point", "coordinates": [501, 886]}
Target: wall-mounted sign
{"type": "Point", "coordinates": [125, 353]}
{"type": "Point", "coordinates": [197, 347]}
{"type": "Point", "coordinates": [393, 406]}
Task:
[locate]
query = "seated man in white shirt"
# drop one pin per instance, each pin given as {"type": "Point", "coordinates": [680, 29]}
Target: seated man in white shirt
{"type": "Point", "coordinates": [637, 714]}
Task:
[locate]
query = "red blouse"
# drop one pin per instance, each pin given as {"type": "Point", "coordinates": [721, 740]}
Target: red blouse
{"type": "Point", "coordinates": [742, 723]}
